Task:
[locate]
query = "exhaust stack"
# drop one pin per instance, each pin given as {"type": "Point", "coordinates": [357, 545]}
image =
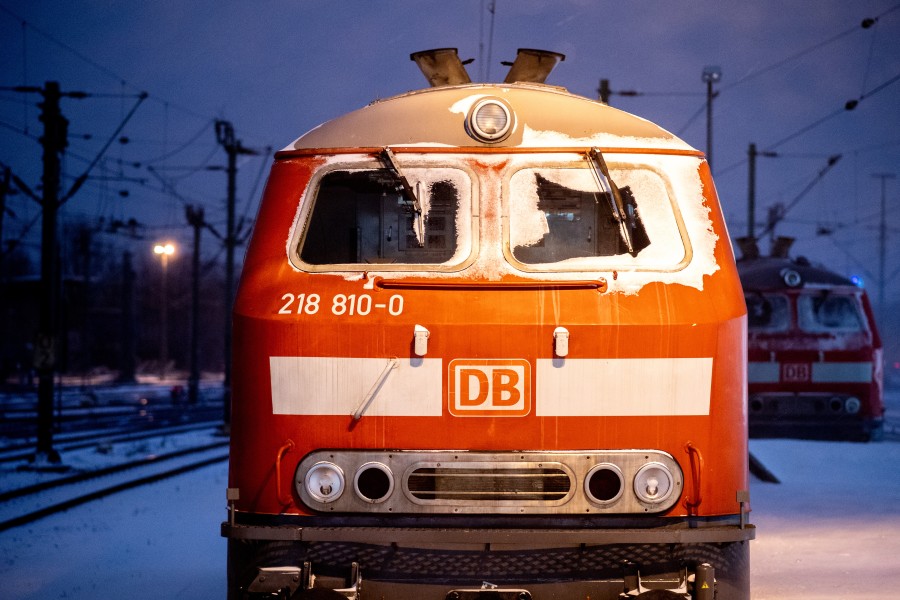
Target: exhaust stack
{"type": "Point", "coordinates": [532, 66]}
{"type": "Point", "coordinates": [441, 67]}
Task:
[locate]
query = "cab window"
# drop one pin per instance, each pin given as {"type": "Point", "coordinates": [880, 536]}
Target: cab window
{"type": "Point", "coordinates": [565, 218]}
{"type": "Point", "coordinates": [364, 217]}
{"type": "Point", "coordinates": [767, 312]}
{"type": "Point", "coordinates": [828, 312]}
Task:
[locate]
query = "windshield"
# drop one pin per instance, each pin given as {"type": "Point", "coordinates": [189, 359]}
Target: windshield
{"type": "Point", "coordinates": [565, 218]}
{"type": "Point", "coordinates": [767, 312]}
{"type": "Point", "coordinates": [827, 312]}
{"type": "Point", "coordinates": [364, 217]}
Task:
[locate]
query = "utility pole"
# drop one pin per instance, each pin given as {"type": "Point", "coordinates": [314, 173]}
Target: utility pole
{"type": "Point", "coordinates": [4, 190]}
{"type": "Point", "coordinates": [127, 372]}
{"type": "Point", "coordinates": [195, 219]}
{"type": "Point", "coordinates": [604, 92]}
{"type": "Point", "coordinates": [54, 142]}
{"type": "Point", "coordinates": [710, 76]}
{"type": "Point", "coordinates": [752, 153]}
{"type": "Point", "coordinates": [233, 147]}
{"type": "Point", "coordinates": [882, 243]}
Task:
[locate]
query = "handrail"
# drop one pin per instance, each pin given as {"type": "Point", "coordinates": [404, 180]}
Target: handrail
{"type": "Point", "coordinates": [287, 447]}
{"type": "Point", "coordinates": [696, 459]}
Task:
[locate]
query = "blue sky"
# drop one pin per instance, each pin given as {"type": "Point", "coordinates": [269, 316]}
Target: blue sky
{"type": "Point", "coordinates": [275, 69]}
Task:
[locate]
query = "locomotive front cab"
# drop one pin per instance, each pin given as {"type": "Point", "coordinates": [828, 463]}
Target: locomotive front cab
{"type": "Point", "coordinates": [489, 344]}
{"type": "Point", "coordinates": [815, 355]}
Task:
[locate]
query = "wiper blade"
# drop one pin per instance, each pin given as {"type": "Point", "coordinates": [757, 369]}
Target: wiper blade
{"type": "Point", "coordinates": [407, 192]}
{"type": "Point", "coordinates": [620, 213]}
{"type": "Point", "coordinates": [387, 155]}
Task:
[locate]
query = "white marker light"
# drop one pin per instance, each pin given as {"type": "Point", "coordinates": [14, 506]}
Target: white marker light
{"type": "Point", "coordinates": [325, 482]}
{"type": "Point", "coordinates": [653, 483]}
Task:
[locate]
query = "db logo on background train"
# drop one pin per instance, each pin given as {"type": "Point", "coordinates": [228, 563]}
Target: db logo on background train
{"type": "Point", "coordinates": [489, 387]}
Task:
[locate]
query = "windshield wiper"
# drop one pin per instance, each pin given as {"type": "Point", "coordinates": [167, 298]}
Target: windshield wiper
{"type": "Point", "coordinates": [387, 155]}
{"type": "Point", "coordinates": [406, 191]}
{"type": "Point", "coordinates": [623, 215]}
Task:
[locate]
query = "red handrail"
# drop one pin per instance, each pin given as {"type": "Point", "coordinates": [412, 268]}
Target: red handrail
{"type": "Point", "coordinates": [287, 447]}
{"type": "Point", "coordinates": [696, 458]}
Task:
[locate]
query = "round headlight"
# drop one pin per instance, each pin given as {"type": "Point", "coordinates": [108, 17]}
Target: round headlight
{"type": "Point", "coordinates": [489, 121]}
{"type": "Point", "coordinates": [791, 277]}
{"type": "Point", "coordinates": [852, 405]}
{"type": "Point", "coordinates": [374, 482]}
{"type": "Point", "coordinates": [604, 483]}
{"type": "Point", "coordinates": [653, 483]}
{"type": "Point", "coordinates": [325, 482]}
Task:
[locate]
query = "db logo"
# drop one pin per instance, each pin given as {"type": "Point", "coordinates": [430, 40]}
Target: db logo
{"type": "Point", "coordinates": [489, 387]}
{"type": "Point", "coordinates": [795, 372]}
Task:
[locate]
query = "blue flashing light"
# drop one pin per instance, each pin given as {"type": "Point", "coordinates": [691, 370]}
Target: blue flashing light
{"type": "Point", "coordinates": [857, 280]}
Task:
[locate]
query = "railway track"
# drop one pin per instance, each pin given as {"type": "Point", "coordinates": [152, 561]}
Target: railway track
{"type": "Point", "coordinates": [25, 450]}
{"type": "Point", "coordinates": [27, 504]}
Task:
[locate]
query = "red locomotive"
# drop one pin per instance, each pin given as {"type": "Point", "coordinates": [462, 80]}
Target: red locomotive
{"type": "Point", "coordinates": [489, 343]}
{"type": "Point", "coordinates": [815, 356]}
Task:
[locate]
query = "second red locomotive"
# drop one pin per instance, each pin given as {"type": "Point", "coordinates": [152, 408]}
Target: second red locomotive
{"type": "Point", "coordinates": [815, 355]}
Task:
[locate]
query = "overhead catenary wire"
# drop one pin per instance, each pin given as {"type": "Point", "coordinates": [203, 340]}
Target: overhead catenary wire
{"type": "Point", "coordinates": [866, 23]}
{"type": "Point", "coordinates": [848, 106]}
{"type": "Point", "coordinates": [831, 162]}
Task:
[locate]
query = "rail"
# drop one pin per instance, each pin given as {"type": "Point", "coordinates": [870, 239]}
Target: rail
{"type": "Point", "coordinates": [211, 454]}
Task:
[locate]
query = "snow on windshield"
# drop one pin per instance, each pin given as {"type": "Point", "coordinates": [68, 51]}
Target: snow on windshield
{"type": "Point", "coordinates": [362, 216]}
{"type": "Point", "coordinates": [665, 190]}
{"type": "Point", "coordinates": [565, 217]}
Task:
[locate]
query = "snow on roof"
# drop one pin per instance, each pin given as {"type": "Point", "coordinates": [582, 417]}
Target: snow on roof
{"type": "Point", "coordinates": [544, 116]}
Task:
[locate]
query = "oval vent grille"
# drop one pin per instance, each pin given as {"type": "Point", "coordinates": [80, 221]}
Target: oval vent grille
{"type": "Point", "coordinates": [541, 484]}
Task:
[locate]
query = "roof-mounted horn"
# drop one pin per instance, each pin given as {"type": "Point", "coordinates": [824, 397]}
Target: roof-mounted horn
{"type": "Point", "coordinates": [441, 67]}
{"type": "Point", "coordinates": [532, 66]}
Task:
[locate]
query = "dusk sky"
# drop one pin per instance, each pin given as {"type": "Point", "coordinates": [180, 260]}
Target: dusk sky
{"type": "Point", "coordinates": [276, 69]}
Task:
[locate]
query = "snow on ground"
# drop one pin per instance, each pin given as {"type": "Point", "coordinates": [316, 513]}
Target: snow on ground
{"type": "Point", "coordinates": [830, 530]}
{"type": "Point", "coordinates": [159, 541]}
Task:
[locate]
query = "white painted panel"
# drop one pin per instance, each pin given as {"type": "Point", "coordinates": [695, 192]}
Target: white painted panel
{"type": "Point", "coordinates": [847, 372]}
{"type": "Point", "coordinates": [763, 372]}
{"type": "Point", "coordinates": [623, 387]}
{"type": "Point", "coordinates": [304, 385]}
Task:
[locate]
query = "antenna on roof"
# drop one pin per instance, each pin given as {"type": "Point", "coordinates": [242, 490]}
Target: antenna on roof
{"type": "Point", "coordinates": [442, 66]}
{"type": "Point", "coordinates": [532, 66]}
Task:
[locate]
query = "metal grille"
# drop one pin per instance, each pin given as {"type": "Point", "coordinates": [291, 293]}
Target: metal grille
{"type": "Point", "coordinates": [489, 485]}
{"type": "Point", "coordinates": [480, 482]}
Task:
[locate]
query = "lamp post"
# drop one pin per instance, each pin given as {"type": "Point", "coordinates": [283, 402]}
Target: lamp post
{"type": "Point", "coordinates": [164, 250]}
{"type": "Point", "coordinates": [710, 76]}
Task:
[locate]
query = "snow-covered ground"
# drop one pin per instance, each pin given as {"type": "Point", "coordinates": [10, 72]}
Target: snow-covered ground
{"type": "Point", "coordinates": [830, 529]}
{"type": "Point", "coordinates": [156, 542]}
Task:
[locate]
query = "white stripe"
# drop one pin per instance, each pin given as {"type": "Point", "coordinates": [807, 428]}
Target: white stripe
{"type": "Point", "coordinates": [822, 372]}
{"type": "Point", "coordinates": [847, 372]}
{"type": "Point", "coordinates": [337, 386]}
{"type": "Point", "coordinates": [623, 387]}
{"type": "Point", "coordinates": [763, 372]}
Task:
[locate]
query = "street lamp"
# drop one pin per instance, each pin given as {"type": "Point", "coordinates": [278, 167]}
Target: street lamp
{"type": "Point", "coordinates": [710, 76]}
{"type": "Point", "coordinates": [164, 250]}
